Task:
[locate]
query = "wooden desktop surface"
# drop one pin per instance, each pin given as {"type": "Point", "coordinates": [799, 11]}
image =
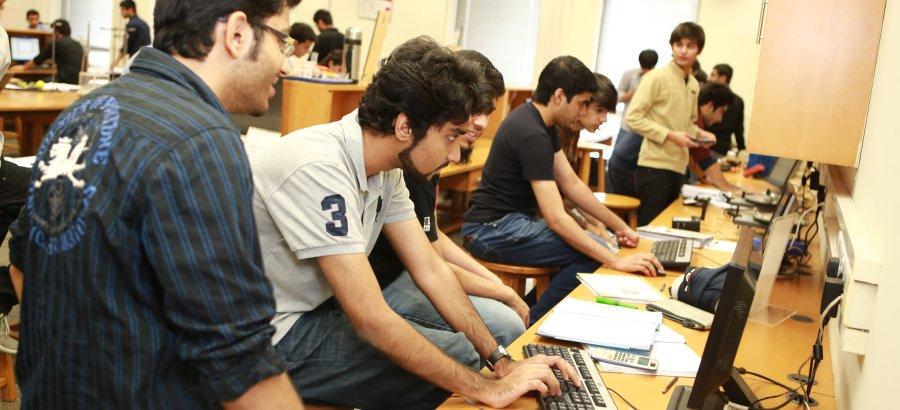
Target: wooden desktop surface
{"type": "Point", "coordinates": [37, 110]}
{"type": "Point", "coordinates": [772, 351]}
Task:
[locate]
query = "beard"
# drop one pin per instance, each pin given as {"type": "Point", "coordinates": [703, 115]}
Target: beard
{"type": "Point", "coordinates": [248, 92]}
{"type": "Point", "coordinates": [409, 168]}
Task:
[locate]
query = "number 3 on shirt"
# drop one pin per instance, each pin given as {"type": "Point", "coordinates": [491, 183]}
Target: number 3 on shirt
{"type": "Point", "coordinates": [338, 208]}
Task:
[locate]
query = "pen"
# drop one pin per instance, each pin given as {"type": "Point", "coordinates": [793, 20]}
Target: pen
{"type": "Point", "coordinates": [669, 386]}
{"type": "Point", "coordinates": [613, 302]}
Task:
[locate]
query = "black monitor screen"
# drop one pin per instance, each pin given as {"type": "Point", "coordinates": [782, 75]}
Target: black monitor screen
{"type": "Point", "coordinates": [781, 172]}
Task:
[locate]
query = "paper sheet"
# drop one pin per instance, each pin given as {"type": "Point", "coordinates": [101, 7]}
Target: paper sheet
{"type": "Point", "coordinates": [624, 288]}
{"type": "Point", "coordinates": [588, 322]}
{"type": "Point", "coordinates": [675, 359]}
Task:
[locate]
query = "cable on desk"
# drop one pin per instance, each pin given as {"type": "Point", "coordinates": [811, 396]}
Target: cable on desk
{"type": "Point", "coordinates": [622, 397]}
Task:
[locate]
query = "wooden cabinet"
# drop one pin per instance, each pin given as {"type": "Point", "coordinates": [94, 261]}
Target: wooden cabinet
{"type": "Point", "coordinates": [816, 68]}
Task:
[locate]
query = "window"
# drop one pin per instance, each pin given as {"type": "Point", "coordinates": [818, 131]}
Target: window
{"type": "Point", "coordinates": [98, 15]}
{"type": "Point", "coordinates": [505, 31]}
{"type": "Point", "coordinates": [630, 26]}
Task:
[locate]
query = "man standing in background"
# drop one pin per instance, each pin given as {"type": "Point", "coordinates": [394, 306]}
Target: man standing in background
{"type": "Point", "coordinates": [619, 177]}
{"type": "Point", "coordinates": [137, 29]}
{"type": "Point", "coordinates": [733, 121]}
{"type": "Point", "coordinates": [329, 37]}
{"type": "Point", "coordinates": [34, 21]}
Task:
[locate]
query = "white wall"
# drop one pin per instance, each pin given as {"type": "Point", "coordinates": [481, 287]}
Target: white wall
{"type": "Point", "coordinates": [867, 382]}
{"type": "Point", "coordinates": [568, 27]}
{"type": "Point", "coordinates": [14, 12]}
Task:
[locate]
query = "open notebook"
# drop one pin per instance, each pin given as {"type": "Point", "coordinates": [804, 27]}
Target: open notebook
{"type": "Point", "coordinates": [598, 324]}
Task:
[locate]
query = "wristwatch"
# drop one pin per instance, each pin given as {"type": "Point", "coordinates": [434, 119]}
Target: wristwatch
{"type": "Point", "coordinates": [498, 353]}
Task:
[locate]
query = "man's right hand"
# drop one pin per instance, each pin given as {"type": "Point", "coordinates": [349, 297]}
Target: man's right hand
{"type": "Point", "coordinates": [682, 139]}
{"type": "Point", "coordinates": [522, 379]}
{"type": "Point", "coordinates": [643, 263]}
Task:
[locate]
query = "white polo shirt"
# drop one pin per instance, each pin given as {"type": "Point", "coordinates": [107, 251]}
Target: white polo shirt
{"type": "Point", "coordinates": [312, 199]}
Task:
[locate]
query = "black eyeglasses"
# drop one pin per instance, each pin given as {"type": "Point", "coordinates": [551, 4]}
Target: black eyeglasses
{"type": "Point", "coordinates": [287, 43]}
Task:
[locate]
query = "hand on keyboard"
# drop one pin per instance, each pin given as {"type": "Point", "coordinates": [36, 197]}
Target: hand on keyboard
{"type": "Point", "coordinates": [643, 263]}
{"type": "Point", "coordinates": [523, 378]}
{"type": "Point", "coordinates": [628, 238]}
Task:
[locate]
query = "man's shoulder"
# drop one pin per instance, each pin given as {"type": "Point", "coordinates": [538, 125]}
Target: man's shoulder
{"type": "Point", "coordinates": [315, 150]}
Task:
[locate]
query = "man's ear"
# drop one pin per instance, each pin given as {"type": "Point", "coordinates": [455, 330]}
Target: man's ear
{"type": "Point", "coordinates": [559, 96]}
{"type": "Point", "coordinates": [402, 128]}
{"type": "Point", "coordinates": [238, 36]}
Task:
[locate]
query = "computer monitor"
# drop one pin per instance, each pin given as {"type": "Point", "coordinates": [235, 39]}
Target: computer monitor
{"type": "Point", "coordinates": [781, 172]}
{"type": "Point", "coordinates": [717, 380]}
{"type": "Point", "coordinates": [23, 48]}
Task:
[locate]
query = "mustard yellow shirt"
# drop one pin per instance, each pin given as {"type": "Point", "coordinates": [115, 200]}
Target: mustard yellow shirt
{"type": "Point", "coordinates": [664, 102]}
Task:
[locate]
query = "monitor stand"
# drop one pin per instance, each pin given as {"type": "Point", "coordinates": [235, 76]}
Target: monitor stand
{"type": "Point", "coordinates": [736, 390]}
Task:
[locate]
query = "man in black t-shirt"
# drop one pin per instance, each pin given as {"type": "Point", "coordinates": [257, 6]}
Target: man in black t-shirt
{"type": "Point", "coordinates": [501, 309]}
{"type": "Point", "coordinates": [526, 171]}
{"type": "Point", "coordinates": [329, 37]}
{"type": "Point", "coordinates": [68, 54]}
{"type": "Point", "coordinates": [733, 121]}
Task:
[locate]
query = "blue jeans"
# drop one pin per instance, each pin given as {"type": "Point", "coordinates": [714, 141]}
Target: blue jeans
{"type": "Point", "coordinates": [329, 363]}
{"type": "Point", "coordinates": [520, 239]}
{"type": "Point", "coordinates": [410, 303]}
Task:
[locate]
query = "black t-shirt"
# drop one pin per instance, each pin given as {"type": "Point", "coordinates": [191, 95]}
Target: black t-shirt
{"type": "Point", "coordinates": [329, 39]}
{"type": "Point", "coordinates": [732, 123]}
{"type": "Point", "coordinates": [68, 59]}
{"type": "Point", "coordinates": [384, 260]}
{"type": "Point", "coordinates": [522, 152]}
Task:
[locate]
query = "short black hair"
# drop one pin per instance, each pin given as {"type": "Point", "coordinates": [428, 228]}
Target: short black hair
{"type": "Point", "coordinates": [32, 12]}
{"type": "Point", "coordinates": [724, 70]}
{"type": "Point", "coordinates": [565, 72]}
{"type": "Point", "coordinates": [719, 94]}
{"type": "Point", "coordinates": [128, 4]}
{"type": "Point", "coordinates": [698, 72]}
{"type": "Point", "coordinates": [336, 56]}
{"type": "Point", "coordinates": [62, 27]}
{"type": "Point", "coordinates": [688, 30]}
{"type": "Point", "coordinates": [323, 16]}
{"type": "Point", "coordinates": [302, 32]}
{"type": "Point", "coordinates": [423, 80]}
{"type": "Point", "coordinates": [606, 94]}
{"type": "Point", "coordinates": [648, 59]}
{"type": "Point", "coordinates": [490, 85]}
{"type": "Point", "coordinates": [185, 27]}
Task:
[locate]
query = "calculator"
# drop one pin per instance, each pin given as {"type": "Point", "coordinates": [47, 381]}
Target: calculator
{"type": "Point", "coordinates": [621, 358]}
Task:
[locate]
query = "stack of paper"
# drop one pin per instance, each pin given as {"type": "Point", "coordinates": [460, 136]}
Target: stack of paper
{"type": "Point", "coordinates": [593, 323]}
{"type": "Point", "coordinates": [620, 287]}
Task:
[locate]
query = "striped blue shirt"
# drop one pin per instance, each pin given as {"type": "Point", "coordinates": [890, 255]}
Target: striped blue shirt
{"type": "Point", "coordinates": [143, 285]}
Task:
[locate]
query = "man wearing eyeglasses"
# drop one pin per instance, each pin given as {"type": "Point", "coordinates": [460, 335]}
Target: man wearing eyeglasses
{"type": "Point", "coordinates": [143, 275]}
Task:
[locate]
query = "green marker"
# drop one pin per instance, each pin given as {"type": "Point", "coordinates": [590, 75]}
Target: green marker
{"type": "Point", "coordinates": [613, 302]}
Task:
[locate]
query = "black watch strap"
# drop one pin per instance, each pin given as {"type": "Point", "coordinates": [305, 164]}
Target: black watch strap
{"type": "Point", "coordinates": [498, 354]}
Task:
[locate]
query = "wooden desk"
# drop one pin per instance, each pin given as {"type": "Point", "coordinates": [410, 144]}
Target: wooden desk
{"type": "Point", "coordinates": [772, 351]}
{"type": "Point", "coordinates": [305, 104]}
{"type": "Point", "coordinates": [37, 111]}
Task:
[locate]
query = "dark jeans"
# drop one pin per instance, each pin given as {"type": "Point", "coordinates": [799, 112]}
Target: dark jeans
{"type": "Point", "coordinates": [620, 170]}
{"type": "Point", "coordinates": [520, 239]}
{"type": "Point", "coordinates": [329, 363]}
{"type": "Point", "coordinates": [13, 192]}
{"type": "Point", "coordinates": [656, 188]}
{"type": "Point", "coordinates": [621, 183]}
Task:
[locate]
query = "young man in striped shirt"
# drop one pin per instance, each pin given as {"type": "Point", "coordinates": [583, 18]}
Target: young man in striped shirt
{"type": "Point", "coordinates": [143, 279]}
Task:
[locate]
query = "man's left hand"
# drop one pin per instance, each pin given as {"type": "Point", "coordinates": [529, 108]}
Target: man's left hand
{"type": "Point", "coordinates": [627, 237]}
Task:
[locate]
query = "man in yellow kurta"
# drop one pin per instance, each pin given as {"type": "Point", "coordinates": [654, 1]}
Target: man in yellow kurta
{"type": "Point", "coordinates": [663, 111]}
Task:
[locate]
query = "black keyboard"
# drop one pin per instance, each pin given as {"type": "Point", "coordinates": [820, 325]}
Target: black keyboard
{"type": "Point", "coordinates": [592, 394]}
{"type": "Point", "coordinates": [673, 253]}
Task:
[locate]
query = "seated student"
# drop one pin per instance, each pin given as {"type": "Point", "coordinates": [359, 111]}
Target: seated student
{"type": "Point", "coordinates": [663, 112]}
{"type": "Point", "coordinates": [304, 37]}
{"type": "Point", "coordinates": [602, 102]}
{"type": "Point", "coordinates": [527, 171]}
{"type": "Point", "coordinates": [503, 311]}
{"type": "Point", "coordinates": [713, 101]}
{"type": "Point", "coordinates": [733, 121]}
{"type": "Point", "coordinates": [69, 54]}
{"type": "Point", "coordinates": [334, 61]}
{"type": "Point", "coordinates": [322, 196]}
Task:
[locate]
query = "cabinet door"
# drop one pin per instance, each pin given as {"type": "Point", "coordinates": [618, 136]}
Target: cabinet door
{"type": "Point", "coordinates": [816, 68]}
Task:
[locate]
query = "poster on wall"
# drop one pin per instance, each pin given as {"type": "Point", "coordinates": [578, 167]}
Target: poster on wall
{"type": "Point", "coordinates": [368, 9]}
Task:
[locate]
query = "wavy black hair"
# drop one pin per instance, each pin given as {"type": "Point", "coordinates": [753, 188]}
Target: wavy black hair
{"type": "Point", "coordinates": [565, 72]}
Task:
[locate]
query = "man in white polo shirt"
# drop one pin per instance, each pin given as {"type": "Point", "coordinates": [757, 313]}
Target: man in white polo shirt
{"type": "Point", "coordinates": [323, 195]}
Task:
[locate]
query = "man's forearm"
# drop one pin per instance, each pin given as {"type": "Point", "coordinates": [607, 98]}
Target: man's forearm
{"type": "Point", "coordinates": [276, 392]}
{"type": "Point", "coordinates": [445, 292]}
{"type": "Point", "coordinates": [475, 285]}
{"type": "Point", "coordinates": [582, 196]}
{"type": "Point", "coordinates": [452, 253]}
